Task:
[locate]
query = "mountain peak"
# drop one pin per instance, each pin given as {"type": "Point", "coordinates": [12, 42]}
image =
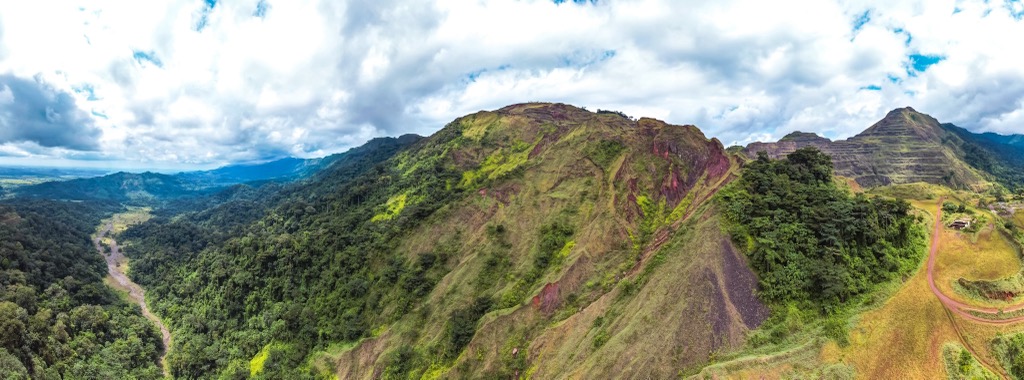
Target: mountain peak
{"type": "Point", "coordinates": [903, 147]}
{"type": "Point", "coordinates": [797, 136]}
{"type": "Point", "coordinates": [904, 124]}
{"type": "Point", "coordinates": [900, 111]}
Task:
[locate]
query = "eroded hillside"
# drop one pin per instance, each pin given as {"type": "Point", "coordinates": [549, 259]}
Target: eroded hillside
{"type": "Point", "coordinates": [538, 238]}
{"type": "Point", "coordinates": [643, 280]}
{"type": "Point", "coordinates": [904, 147]}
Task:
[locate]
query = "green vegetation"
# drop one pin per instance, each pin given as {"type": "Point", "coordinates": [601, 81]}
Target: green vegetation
{"type": "Point", "coordinates": [811, 241]}
{"type": "Point", "coordinates": [462, 325]}
{"type": "Point", "coordinates": [1009, 350]}
{"type": "Point", "coordinates": [604, 152]}
{"type": "Point", "coordinates": [960, 364]}
{"type": "Point", "coordinates": [553, 247]}
{"type": "Point", "coordinates": [501, 163]}
{"type": "Point", "coordinates": [317, 265]}
{"type": "Point", "coordinates": [999, 156]}
{"type": "Point", "coordinates": [57, 319]}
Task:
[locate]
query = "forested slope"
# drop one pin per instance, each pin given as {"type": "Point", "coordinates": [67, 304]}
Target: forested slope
{"type": "Point", "coordinates": [57, 318]}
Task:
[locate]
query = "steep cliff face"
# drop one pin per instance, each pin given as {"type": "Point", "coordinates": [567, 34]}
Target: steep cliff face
{"type": "Point", "coordinates": [904, 147]}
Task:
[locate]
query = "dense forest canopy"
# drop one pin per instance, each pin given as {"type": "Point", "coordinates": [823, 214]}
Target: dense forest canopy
{"type": "Point", "coordinates": [810, 240]}
{"type": "Point", "coordinates": [289, 272]}
{"type": "Point", "coordinates": [57, 318]}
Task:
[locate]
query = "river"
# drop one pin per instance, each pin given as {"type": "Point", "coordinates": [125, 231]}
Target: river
{"type": "Point", "coordinates": [116, 266]}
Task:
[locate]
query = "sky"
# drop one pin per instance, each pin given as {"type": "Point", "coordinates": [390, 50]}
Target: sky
{"type": "Point", "coordinates": [171, 84]}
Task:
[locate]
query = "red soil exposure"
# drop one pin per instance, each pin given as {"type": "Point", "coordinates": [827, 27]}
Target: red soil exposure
{"type": "Point", "coordinates": [740, 283]}
{"type": "Point", "coordinates": [1002, 295]}
{"type": "Point", "coordinates": [999, 295]}
{"type": "Point", "coordinates": [671, 189]}
{"type": "Point", "coordinates": [710, 163]}
{"type": "Point", "coordinates": [547, 300]}
{"type": "Point", "coordinates": [720, 165]}
{"type": "Point", "coordinates": [538, 148]}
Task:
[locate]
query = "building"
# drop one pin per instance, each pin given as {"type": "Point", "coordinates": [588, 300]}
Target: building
{"type": "Point", "coordinates": [960, 224]}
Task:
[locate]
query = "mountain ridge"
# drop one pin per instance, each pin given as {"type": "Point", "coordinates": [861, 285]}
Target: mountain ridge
{"type": "Point", "coordinates": [905, 146]}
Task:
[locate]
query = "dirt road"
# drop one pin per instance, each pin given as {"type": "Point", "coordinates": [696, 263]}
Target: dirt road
{"type": "Point", "coordinates": [116, 266]}
{"type": "Point", "coordinates": [958, 307]}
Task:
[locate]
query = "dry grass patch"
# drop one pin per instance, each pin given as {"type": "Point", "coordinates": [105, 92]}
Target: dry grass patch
{"type": "Point", "coordinates": [986, 255]}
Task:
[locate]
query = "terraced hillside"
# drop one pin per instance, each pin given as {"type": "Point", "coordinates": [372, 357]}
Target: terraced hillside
{"type": "Point", "coordinates": [904, 147]}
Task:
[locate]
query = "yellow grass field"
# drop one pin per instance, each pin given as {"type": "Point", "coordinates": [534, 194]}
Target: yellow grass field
{"type": "Point", "coordinates": [904, 338]}
{"type": "Point", "coordinates": [986, 256]}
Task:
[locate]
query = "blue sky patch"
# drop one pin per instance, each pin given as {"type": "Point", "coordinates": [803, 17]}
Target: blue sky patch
{"type": "Point", "coordinates": [873, 87]}
{"type": "Point", "coordinates": [142, 57]}
{"type": "Point", "coordinates": [261, 9]}
{"type": "Point", "coordinates": [208, 6]}
{"type": "Point", "coordinates": [861, 20]}
{"type": "Point", "coordinates": [472, 76]}
{"type": "Point", "coordinates": [1016, 8]}
{"type": "Point", "coordinates": [580, 59]}
{"type": "Point", "coordinates": [906, 33]}
{"type": "Point", "coordinates": [99, 114]}
{"type": "Point", "coordinates": [921, 62]}
{"type": "Point", "coordinates": [88, 90]}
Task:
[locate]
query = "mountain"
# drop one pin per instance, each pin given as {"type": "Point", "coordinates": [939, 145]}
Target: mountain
{"type": "Point", "coordinates": [285, 169]}
{"type": "Point", "coordinates": [538, 237]}
{"type": "Point", "coordinates": [147, 189]}
{"type": "Point", "coordinates": [121, 187]}
{"type": "Point", "coordinates": [44, 172]}
{"type": "Point", "coordinates": [904, 147]}
{"type": "Point", "coordinates": [1001, 156]}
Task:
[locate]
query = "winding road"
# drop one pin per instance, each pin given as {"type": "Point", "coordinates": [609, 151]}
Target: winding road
{"type": "Point", "coordinates": [116, 267]}
{"type": "Point", "coordinates": [958, 307]}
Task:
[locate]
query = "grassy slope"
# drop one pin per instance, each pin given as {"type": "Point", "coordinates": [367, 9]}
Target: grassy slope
{"type": "Point", "coordinates": [634, 265]}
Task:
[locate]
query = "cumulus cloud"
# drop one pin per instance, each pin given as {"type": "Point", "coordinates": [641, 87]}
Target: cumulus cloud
{"type": "Point", "coordinates": [193, 82]}
{"type": "Point", "coordinates": [32, 111]}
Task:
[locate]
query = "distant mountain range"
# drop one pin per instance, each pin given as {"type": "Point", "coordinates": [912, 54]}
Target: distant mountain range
{"type": "Point", "coordinates": [148, 187]}
{"type": "Point", "coordinates": [907, 146]}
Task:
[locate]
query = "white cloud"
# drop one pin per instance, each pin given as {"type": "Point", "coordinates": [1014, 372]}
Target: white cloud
{"type": "Point", "coordinates": [310, 78]}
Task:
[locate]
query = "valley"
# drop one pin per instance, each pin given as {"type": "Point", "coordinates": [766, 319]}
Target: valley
{"type": "Point", "coordinates": [543, 240]}
{"type": "Point", "coordinates": [117, 269]}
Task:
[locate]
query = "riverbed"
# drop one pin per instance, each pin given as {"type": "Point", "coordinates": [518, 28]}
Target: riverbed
{"type": "Point", "coordinates": [117, 266]}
